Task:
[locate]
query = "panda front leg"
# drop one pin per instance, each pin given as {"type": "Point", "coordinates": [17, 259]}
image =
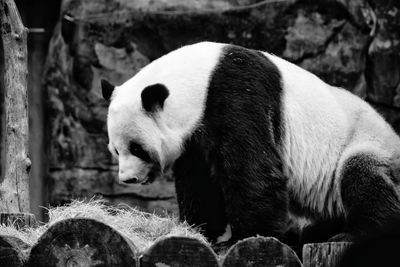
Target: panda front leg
{"type": "Point", "coordinates": [369, 195]}
{"type": "Point", "coordinates": [199, 195]}
{"type": "Point", "coordinates": [256, 200]}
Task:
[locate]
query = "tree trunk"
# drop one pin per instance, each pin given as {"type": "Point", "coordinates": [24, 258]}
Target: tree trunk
{"type": "Point", "coordinates": [14, 183]}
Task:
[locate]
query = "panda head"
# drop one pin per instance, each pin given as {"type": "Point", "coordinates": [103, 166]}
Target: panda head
{"type": "Point", "coordinates": [134, 135]}
{"type": "Point", "coordinates": [152, 114]}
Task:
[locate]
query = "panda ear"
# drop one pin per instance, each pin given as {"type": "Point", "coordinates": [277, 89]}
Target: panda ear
{"type": "Point", "coordinates": [106, 89]}
{"type": "Point", "coordinates": [153, 97]}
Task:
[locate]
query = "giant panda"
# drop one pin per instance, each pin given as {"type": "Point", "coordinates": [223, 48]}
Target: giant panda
{"type": "Point", "coordinates": [254, 141]}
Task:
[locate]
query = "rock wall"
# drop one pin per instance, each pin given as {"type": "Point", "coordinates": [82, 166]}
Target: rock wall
{"type": "Point", "coordinates": [351, 43]}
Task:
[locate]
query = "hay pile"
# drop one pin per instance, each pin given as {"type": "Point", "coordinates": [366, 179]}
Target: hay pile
{"type": "Point", "coordinates": [142, 228]}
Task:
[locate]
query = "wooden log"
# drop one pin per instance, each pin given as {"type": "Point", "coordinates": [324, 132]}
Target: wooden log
{"type": "Point", "coordinates": [13, 251]}
{"type": "Point", "coordinates": [14, 183]}
{"type": "Point", "coordinates": [260, 251]}
{"type": "Point", "coordinates": [324, 254]}
{"type": "Point", "coordinates": [179, 252]}
{"type": "Point", "coordinates": [82, 242]}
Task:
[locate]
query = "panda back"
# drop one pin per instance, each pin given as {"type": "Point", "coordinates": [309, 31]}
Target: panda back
{"type": "Point", "coordinates": [324, 125]}
{"type": "Point", "coordinates": [316, 130]}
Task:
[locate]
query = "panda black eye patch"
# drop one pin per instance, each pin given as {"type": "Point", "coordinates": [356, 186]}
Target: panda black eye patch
{"type": "Point", "coordinates": [137, 150]}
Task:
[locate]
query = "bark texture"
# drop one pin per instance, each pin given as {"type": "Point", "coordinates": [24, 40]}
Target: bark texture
{"type": "Point", "coordinates": [14, 183]}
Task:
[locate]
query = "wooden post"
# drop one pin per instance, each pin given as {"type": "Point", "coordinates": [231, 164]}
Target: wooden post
{"type": "Point", "coordinates": [15, 164]}
{"type": "Point", "coordinates": [324, 254]}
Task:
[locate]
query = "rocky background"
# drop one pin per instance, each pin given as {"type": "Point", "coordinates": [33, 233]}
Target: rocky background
{"type": "Point", "coordinates": [351, 43]}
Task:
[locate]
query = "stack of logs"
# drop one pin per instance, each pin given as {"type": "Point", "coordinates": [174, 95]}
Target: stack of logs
{"type": "Point", "coordinates": [87, 242]}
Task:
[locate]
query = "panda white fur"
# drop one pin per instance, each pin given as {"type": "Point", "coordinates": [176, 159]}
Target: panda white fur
{"type": "Point", "coordinates": [252, 140]}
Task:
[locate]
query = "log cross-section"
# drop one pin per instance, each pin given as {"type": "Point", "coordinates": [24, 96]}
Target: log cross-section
{"type": "Point", "coordinates": [15, 164]}
{"type": "Point", "coordinates": [260, 251]}
{"type": "Point", "coordinates": [324, 254]}
{"type": "Point", "coordinates": [83, 242]}
{"type": "Point", "coordinates": [13, 251]}
{"type": "Point", "coordinates": [180, 252]}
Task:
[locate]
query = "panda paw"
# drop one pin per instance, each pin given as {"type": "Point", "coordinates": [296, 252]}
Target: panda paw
{"type": "Point", "coordinates": [223, 247]}
{"type": "Point", "coordinates": [342, 237]}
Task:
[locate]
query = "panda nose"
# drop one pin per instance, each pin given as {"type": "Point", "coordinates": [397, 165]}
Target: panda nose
{"type": "Point", "coordinates": [133, 180]}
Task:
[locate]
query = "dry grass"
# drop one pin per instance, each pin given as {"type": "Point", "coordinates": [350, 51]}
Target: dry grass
{"type": "Point", "coordinates": [142, 228]}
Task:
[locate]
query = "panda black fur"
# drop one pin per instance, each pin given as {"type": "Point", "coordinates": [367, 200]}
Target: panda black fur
{"type": "Point", "coordinates": [258, 142]}
{"type": "Point", "coordinates": [236, 145]}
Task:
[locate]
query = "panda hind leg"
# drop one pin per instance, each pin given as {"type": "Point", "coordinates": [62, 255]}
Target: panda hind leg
{"type": "Point", "coordinates": [369, 196]}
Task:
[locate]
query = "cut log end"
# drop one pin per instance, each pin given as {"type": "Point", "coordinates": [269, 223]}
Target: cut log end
{"type": "Point", "coordinates": [324, 254]}
{"type": "Point", "coordinates": [260, 251]}
{"type": "Point", "coordinates": [179, 251]}
{"type": "Point", "coordinates": [82, 242]}
{"type": "Point", "coordinates": [13, 251]}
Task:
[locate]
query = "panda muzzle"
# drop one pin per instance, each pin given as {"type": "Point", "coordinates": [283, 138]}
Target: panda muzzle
{"type": "Point", "coordinates": [151, 176]}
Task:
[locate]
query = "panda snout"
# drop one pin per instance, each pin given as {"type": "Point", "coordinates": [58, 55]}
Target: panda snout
{"type": "Point", "coordinates": [137, 175]}
{"type": "Point", "coordinates": [128, 177]}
